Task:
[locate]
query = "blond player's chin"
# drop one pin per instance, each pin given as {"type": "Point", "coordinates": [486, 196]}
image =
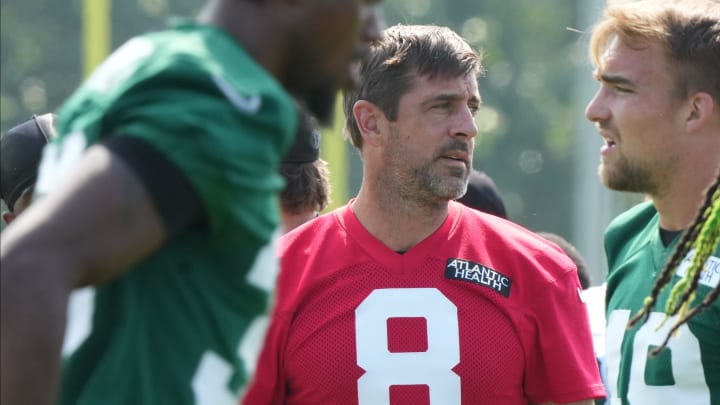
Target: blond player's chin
{"type": "Point", "coordinates": [613, 182]}
{"type": "Point", "coordinates": [605, 179]}
{"type": "Point", "coordinates": [603, 175]}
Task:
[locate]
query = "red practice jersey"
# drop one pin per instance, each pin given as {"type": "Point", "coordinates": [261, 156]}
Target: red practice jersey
{"type": "Point", "coordinates": [480, 312]}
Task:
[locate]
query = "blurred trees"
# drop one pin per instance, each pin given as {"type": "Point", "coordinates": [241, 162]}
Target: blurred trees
{"type": "Point", "coordinates": [529, 111]}
{"type": "Point", "coordinates": [41, 52]}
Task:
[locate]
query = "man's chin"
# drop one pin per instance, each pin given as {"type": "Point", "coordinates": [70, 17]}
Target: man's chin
{"type": "Point", "coordinates": [623, 183]}
{"type": "Point", "coordinates": [607, 179]}
{"type": "Point", "coordinates": [451, 189]}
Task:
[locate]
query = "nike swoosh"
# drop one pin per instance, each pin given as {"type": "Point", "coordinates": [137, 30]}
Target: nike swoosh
{"type": "Point", "coordinates": [250, 105]}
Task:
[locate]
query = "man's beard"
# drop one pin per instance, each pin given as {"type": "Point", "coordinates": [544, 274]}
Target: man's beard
{"type": "Point", "coordinates": [423, 183]}
{"type": "Point", "coordinates": [440, 186]}
{"type": "Point", "coordinates": [625, 175]}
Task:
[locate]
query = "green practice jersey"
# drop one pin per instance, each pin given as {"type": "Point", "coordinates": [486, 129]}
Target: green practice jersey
{"type": "Point", "coordinates": [182, 326]}
{"type": "Point", "coordinates": [687, 371]}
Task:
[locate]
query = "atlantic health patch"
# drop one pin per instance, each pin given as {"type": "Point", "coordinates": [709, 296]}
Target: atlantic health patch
{"type": "Point", "coordinates": [710, 275]}
{"type": "Point", "coordinates": [465, 270]}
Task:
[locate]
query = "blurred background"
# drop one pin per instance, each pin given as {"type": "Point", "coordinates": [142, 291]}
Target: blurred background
{"type": "Point", "coordinates": [535, 142]}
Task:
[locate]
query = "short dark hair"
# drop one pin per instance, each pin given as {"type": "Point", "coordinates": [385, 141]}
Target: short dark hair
{"type": "Point", "coordinates": [402, 54]}
{"type": "Point", "coordinates": [306, 186]}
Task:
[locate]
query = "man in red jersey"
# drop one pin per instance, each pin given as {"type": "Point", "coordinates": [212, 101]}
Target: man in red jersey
{"type": "Point", "coordinates": [404, 296]}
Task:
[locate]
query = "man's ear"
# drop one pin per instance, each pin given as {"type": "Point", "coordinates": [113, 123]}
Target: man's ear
{"type": "Point", "coordinates": [369, 118]}
{"type": "Point", "coordinates": [702, 108]}
{"type": "Point", "coordinates": [8, 217]}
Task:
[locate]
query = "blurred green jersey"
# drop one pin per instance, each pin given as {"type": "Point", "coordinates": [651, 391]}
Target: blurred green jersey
{"type": "Point", "coordinates": [182, 326]}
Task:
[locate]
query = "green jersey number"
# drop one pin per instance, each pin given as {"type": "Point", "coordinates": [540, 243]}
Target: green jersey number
{"type": "Point", "coordinates": [675, 376]}
{"type": "Point", "coordinates": [210, 384]}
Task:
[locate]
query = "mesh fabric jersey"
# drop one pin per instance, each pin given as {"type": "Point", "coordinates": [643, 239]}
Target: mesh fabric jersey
{"type": "Point", "coordinates": [480, 312]}
{"type": "Point", "coordinates": [687, 371]}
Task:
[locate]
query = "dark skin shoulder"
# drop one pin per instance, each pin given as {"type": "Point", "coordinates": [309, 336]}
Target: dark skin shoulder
{"type": "Point", "coordinates": [98, 223]}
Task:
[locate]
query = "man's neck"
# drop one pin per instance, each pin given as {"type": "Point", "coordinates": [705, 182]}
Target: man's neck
{"type": "Point", "coordinates": [257, 35]}
{"type": "Point", "coordinates": [397, 223]}
{"type": "Point", "coordinates": [677, 208]}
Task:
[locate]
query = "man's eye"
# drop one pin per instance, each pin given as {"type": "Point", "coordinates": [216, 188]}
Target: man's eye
{"type": "Point", "coordinates": [443, 106]}
{"type": "Point", "coordinates": [623, 89]}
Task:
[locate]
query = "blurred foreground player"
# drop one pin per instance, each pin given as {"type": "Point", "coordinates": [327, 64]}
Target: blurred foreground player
{"type": "Point", "coordinates": [161, 192]}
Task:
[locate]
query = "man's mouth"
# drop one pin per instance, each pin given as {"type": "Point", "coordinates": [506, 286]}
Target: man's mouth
{"type": "Point", "coordinates": [609, 141]}
{"type": "Point", "coordinates": [459, 156]}
{"type": "Point", "coordinates": [456, 158]}
{"type": "Point", "coordinates": [608, 146]}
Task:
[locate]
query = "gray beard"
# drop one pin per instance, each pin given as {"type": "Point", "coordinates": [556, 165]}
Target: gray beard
{"type": "Point", "coordinates": [422, 184]}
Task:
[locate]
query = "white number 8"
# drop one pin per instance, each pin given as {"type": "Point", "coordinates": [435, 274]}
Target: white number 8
{"type": "Point", "coordinates": [432, 367]}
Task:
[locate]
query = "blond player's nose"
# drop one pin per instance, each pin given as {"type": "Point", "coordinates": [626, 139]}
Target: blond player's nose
{"type": "Point", "coordinates": [595, 110]}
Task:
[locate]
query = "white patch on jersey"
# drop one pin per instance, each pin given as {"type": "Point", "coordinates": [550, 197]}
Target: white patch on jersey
{"type": "Point", "coordinates": [120, 65]}
{"type": "Point", "coordinates": [79, 319]}
{"type": "Point", "coordinates": [581, 295]}
{"type": "Point", "coordinates": [251, 343]}
{"type": "Point", "coordinates": [58, 159]}
{"type": "Point", "coordinates": [264, 270]}
{"type": "Point", "coordinates": [210, 379]}
{"type": "Point", "coordinates": [595, 303]}
{"type": "Point", "coordinates": [210, 382]}
{"type": "Point", "coordinates": [710, 275]}
{"type": "Point", "coordinates": [249, 105]}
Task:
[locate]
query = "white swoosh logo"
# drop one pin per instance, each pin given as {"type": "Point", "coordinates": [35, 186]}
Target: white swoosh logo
{"type": "Point", "coordinates": [250, 105]}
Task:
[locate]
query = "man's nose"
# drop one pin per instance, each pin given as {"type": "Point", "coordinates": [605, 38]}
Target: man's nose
{"type": "Point", "coordinates": [596, 109]}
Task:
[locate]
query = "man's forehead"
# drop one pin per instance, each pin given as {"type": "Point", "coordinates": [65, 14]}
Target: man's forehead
{"type": "Point", "coordinates": [620, 58]}
{"type": "Point", "coordinates": [462, 86]}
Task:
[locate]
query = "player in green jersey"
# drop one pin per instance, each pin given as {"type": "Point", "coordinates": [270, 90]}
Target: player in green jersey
{"type": "Point", "coordinates": [161, 193]}
{"type": "Point", "coordinates": [658, 110]}
{"type": "Point", "coordinates": [703, 238]}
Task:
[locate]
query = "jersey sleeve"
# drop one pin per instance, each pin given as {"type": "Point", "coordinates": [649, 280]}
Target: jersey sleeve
{"type": "Point", "coordinates": [229, 155]}
{"type": "Point", "coordinates": [561, 365]}
{"type": "Point", "coordinates": [268, 385]}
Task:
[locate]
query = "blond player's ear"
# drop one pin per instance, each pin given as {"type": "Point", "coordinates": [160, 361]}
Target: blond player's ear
{"type": "Point", "coordinates": [702, 108]}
